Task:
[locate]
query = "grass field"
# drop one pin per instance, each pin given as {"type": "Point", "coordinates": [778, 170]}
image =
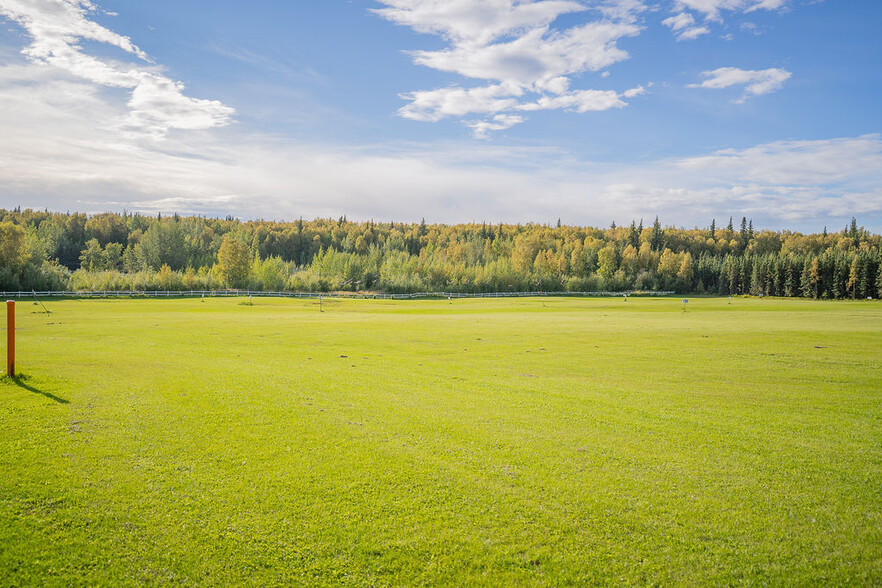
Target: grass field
{"type": "Point", "coordinates": [532, 441]}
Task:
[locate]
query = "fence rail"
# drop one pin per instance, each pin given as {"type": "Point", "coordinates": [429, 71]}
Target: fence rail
{"type": "Point", "coordinates": [355, 295]}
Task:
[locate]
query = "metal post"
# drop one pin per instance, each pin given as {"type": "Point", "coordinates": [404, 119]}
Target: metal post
{"type": "Point", "coordinates": [10, 338]}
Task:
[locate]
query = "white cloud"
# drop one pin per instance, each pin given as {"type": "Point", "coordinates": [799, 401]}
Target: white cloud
{"type": "Point", "coordinates": [536, 55]}
{"type": "Point", "coordinates": [157, 103]}
{"type": "Point", "coordinates": [692, 33]}
{"type": "Point", "coordinates": [634, 92]}
{"type": "Point", "coordinates": [512, 44]}
{"type": "Point", "coordinates": [434, 105]}
{"type": "Point", "coordinates": [757, 82]}
{"type": "Point", "coordinates": [478, 23]}
{"type": "Point", "coordinates": [579, 101]}
{"type": "Point", "coordinates": [712, 8]}
{"type": "Point", "coordinates": [683, 25]}
{"type": "Point", "coordinates": [500, 122]}
{"type": "Point", "coordinates": [679, 22]}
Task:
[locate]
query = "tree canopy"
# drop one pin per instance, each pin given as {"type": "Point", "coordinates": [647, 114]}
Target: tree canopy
{"type": "Point", "coordinates": [108, 251]}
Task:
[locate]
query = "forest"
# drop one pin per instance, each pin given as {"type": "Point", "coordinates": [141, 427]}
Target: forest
{"type": "Point", "coordinates": [42, 250]}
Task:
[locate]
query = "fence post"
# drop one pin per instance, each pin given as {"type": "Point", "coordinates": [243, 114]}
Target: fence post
{"type": "Point", "coordinates": [10, 338]}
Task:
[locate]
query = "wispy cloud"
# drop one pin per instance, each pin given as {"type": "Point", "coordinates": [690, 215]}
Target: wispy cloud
{"type": "Point", "coordinates": [514, 45]}
{"type": "Point", "coordinates": [683, 25]}
{"type": "Point", "coordinates": [499, 122]}
{"type": "Point", "coordinates": [757, 82]}
{"type": "Point", "coordinates": [157, 104]}
{"type": "Point", "coordinates": [712, 9]}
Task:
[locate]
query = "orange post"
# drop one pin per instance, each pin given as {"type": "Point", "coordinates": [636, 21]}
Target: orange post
{"type": "Point", "coordinates": [10, 338]}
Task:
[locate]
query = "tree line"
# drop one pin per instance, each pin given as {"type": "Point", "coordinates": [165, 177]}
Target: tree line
{"type": "Point", "coordinates": [41, 250]}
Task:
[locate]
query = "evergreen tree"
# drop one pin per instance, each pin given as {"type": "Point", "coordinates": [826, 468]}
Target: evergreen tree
{"type": "Point", "coordinates": [790, 283]}
{"type": "Point", "coordinates": [879, 278]}
{"type": "Point", "coordinates": [805, 279]}
{"type": "Point", "coordinates": [634, 236]}
{"type": "Point", "coordinates": [756, 278]}
{"type": "Point", "coordinates": [839, 287]}
{"type": "Point", "coordinates": [656, 240]}
{"type": "Point", "coordinates": [713, 229]}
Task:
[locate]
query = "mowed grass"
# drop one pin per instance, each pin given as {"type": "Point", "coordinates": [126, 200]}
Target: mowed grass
{"type": "Point", "coordinates": [533, 441]}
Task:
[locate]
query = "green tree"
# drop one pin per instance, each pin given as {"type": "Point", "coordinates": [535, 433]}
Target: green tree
{"type": "Point", "coordinates": [13, 246]}
{"type": "Point", "coordinates": [107, 228]}
{"type": "Point", "coordinates": [657, 239]}
{"type": "Point", "coordinates": [685, 272]}
{"type": "Point", "coordinates": [113, 256]}
{"type": "Point", "coordinates": [234, 261]}
{"type": "Point", "coordinates": [164, 243]}
{"type": "Point", "coordinates": [608, 261]}
{"type": "Point", "coordinates": [879, 278]}
{"type": "Point", "coordinates": [92, 257]}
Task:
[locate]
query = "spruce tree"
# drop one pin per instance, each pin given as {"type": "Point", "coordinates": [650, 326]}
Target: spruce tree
{"type": "Point", "coordinates": [634, 237]}
{"type": "Point", "coordinates": [879, 278]}
{"type": "Point", "coordinates": [657, 239]}
{"type": "Point", "coordinates": [756, 279]}
{"type": "Point", "coordinates": [805, 279]}
{"type": "Point", "coordinates": [789, 281]}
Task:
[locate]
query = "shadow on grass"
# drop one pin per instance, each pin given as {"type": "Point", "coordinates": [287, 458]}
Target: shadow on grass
{"type": "Point", "coordinates": [21, 381]}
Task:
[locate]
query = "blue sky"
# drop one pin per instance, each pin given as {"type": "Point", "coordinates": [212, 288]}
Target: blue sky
{"type": "Point", "coordinates": [452, 110]}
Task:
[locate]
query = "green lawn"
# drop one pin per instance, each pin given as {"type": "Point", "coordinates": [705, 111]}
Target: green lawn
{"type": "Point", "coordinates": [539, 441]}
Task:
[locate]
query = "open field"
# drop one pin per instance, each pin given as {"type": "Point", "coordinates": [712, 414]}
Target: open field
{"type": "Point", "coordinates": [528, 441]}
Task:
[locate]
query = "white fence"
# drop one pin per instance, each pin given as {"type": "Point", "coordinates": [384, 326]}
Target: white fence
{"type": "Point", "coordinates": [359, 295]}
